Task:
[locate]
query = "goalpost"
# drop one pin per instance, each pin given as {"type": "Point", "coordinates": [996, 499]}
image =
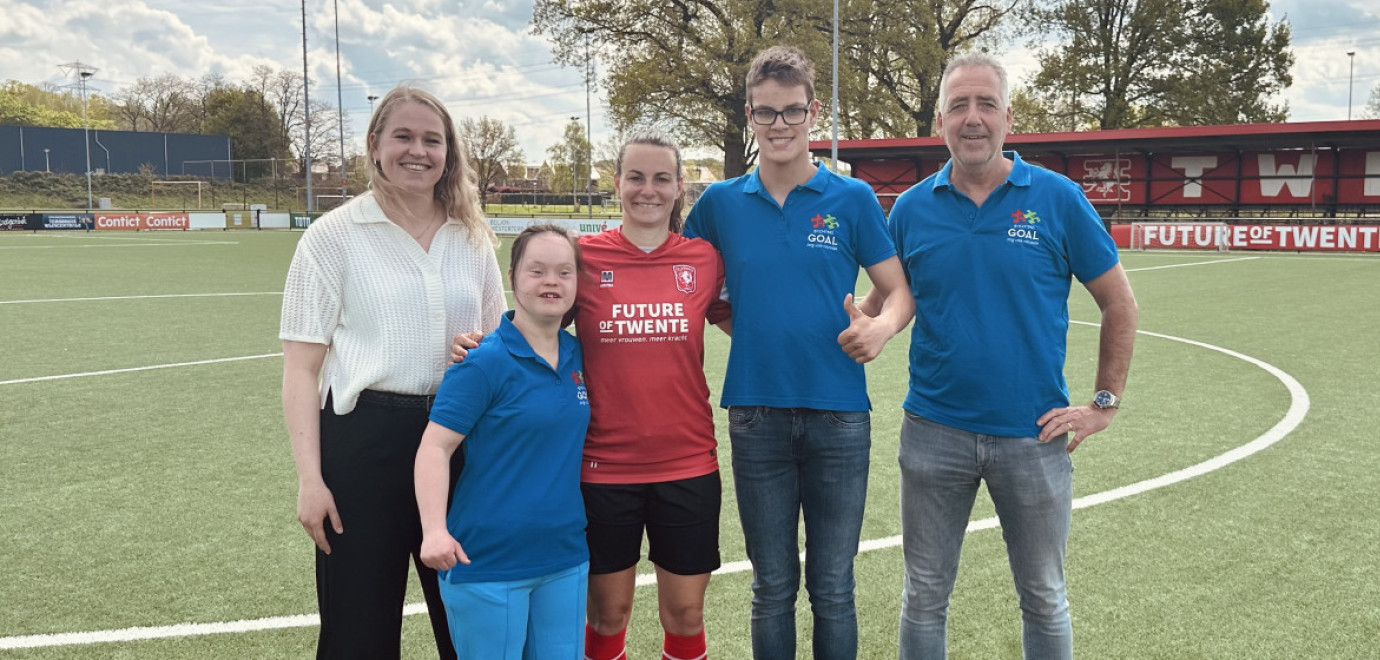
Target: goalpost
{"type": "Point", "coordinates": [1171, 235]}
{"type": "Point", "coordinates": [153, 190]}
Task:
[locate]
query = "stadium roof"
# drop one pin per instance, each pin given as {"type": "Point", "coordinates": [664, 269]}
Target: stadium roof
{"type": "Point", "coordinates": [1362, 133]}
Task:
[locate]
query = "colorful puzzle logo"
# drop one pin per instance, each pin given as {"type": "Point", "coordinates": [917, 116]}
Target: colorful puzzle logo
{"type": "Point", "coordinates": [824, 221]}
{"type": "Point", "coordinates": [1028, 217]}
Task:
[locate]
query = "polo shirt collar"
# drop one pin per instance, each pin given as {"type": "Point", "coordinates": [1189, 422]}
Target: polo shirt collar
{"type": "Point", "coordinates": [512, 337]}
{"type": "Point", "coordinates": [517, 345]}
{"type": "Point", "coordinates": [817, 183]}
{"type": "Point", "coordinates": [369, 212]}
{"type": "Point", "coordinates": [1019, 175]}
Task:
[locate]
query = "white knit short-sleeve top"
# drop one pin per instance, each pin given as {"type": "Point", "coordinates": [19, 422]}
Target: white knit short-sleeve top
{"type": "Point", "coordinates": [385, 308]}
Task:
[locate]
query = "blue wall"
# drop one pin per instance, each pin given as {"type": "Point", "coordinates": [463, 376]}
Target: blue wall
{"type": "Point", "coordinates": [21, 149]}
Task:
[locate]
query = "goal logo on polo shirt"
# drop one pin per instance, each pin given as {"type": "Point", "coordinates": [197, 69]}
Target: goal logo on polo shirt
{"type": "Point", "coordinates": [1023, 227]}
{"type": "Point", "coordinates": [685, 278]}
{"type": "Point", "coordinates": [822, 232]}
{"type": "Point", "coordinates": [581, 393]}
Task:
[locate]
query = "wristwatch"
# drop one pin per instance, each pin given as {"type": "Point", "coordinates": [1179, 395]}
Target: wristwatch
{"type": "Point", "coordinates": [1104, 400]}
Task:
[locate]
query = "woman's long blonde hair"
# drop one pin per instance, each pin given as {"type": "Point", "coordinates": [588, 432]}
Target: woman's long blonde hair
{"type": "Point", "coordinates": [456, 191]}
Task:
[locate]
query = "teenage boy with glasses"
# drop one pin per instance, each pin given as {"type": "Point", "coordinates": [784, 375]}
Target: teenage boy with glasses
{"type": "Point", "coordinates": [793, 235]}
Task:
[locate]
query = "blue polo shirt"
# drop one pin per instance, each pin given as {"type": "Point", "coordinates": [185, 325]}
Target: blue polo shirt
{"type": "Point", "coordinates": [991, 288]}
{"type": "Point", "coordinates": [788, 268]}
{"type": "Point", "coordinates": [517, 508]}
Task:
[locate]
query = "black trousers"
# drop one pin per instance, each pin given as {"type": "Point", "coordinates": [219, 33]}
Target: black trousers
{"type": "Point", "coordinates": [367, 459]}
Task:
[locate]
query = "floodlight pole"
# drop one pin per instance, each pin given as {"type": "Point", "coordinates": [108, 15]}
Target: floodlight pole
{"type": "Point", "coordinates": [306, 109]}
{"type": "Point", "coordinates": [589, 140]}
{"type": "Point", "coordinates": [834, 143]}
{"type": "Point", "coordinates": [1350, 81]}
{"type": "Point", "coordinates": [86, 131]}
{"type": "Point", "coordinates": [372, 98]}
{"type": "Point", "coordinates": [340, 102]}
{"type": "Point", "coordinates": [574, 180]}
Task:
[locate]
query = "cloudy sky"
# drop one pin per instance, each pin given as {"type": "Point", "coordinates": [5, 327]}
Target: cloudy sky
{"type": "Point", "coordinates": [479, 55]}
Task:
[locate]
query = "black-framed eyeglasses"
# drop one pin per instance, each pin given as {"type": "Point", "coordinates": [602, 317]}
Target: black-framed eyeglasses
{"type": "Point", "coordinates": [793, 116]}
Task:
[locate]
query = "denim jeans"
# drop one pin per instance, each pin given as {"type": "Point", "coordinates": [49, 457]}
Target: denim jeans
{"type": "Point", "coordinates": [1031, 484]}
{"type": "Point", "coordinates": [787, 461]}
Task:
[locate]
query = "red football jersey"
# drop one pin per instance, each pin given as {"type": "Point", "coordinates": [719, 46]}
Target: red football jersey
{"type": "Point", "coordinates": [640, 318]}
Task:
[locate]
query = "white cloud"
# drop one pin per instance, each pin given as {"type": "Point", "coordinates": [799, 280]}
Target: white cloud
{"type": "Point", "coordinates": [479, 56]}
{"type": "Point", "coordinates": [476, 55]}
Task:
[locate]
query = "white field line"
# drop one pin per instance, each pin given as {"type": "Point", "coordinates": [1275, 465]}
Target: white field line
{"type": "Point", "coordinates": [162, 295]}
{"type": "Point", "coordinates": [108, 372]}
{"type": "Point", "coordinates": [117, 245]}
{"type": "Point", "coordinates": [1191, 263]}
{"type": "Point", "coordinates": [1298, 409]}
{"type": "Point", "coordinates": [78, 235]}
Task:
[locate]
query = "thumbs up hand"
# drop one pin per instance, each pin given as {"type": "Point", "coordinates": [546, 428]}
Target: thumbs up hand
{"type": "Point", "coordinates": [864, 337]}
{"type": "Point", "coordinates": [853, 312]}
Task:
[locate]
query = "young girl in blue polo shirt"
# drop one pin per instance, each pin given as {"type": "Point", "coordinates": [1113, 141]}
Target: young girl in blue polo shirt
{"type": "Point", "coordinates": [511, 554]}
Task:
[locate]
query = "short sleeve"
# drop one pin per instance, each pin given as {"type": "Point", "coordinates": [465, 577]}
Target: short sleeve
{"type": "Point", "coordinates": [719, 309]}
{"type": "Point", "coordinates": [873, 244]}
{"type": "Point", "coordinates": [896, 228]}
{"type": "Point", "coordinates": [312, 293]}
{"type": "Point", "coordinates": [1091, 250]}
{"type": "Point", "coordinates": [699, 223]}
{"type": "Point", "coordinates": [464, 395]}
{"type": "Point", "coordinates": [492, 305]}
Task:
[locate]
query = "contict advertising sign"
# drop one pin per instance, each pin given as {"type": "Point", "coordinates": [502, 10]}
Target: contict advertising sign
{"type": "Point", "coordinates": [142, 221]}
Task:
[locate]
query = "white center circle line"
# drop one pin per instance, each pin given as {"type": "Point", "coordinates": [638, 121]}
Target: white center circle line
{"type": "Point", "coordinates": [1298, 409]}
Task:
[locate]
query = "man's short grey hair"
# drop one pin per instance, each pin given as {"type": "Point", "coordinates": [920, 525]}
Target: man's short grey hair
{"type": "Point", "coordinates": [973, 60]}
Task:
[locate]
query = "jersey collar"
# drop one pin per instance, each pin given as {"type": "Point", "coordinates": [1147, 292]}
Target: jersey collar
{"type": "Point", "coordinates": [1019, 175]}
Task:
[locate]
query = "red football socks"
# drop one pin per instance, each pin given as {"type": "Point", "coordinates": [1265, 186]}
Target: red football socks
{"type": "Point", "coordinates": [684, 648]}
{"type": "Point", "coordinates": [604, 647]}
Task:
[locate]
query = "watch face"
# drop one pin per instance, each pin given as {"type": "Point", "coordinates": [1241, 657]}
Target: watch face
{"type": "Point", "coordinates": [1104, 399]}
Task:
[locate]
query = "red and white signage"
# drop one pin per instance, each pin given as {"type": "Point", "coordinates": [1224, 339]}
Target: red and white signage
{"type": "Point", "coordinates": [1213, 236]}
{"type": "Point", "coordinates": [142, 221]}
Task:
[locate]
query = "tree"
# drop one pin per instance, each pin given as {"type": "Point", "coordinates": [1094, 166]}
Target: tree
{"type": "Point", "coordinates": [26, 105]}
{"type": "Point", "coordinates": [252, 124]}
{"type": "Point", "coordinates": [569, 160]}
{"type": "Point", "coordinates": [165, 104]}
{"type": "Point", "coordinates": [1372, 110]}
{"type": "Point", "coordinates": [1030, 115]}
{"type": "Point", "coordinates": [491, 148]}
{"type": "Point", "coordinates": [283, 90]}
{"type": "Point", "coordinates": [1130, 63]}
{"type": "Point", "coordinates": [899, 51]}
{"type": "Point", "coordinates": [680, 64]}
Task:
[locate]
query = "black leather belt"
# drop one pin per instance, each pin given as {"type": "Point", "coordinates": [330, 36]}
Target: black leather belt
{"type": "Point", "coordinates": [394, 400]}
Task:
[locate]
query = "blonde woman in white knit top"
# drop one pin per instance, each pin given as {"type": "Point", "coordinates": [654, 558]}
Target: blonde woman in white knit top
{"type": "Point", "coordinates": [376, 292]}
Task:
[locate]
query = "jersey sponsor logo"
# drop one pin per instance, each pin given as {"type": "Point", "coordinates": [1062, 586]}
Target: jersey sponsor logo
{"type": "Point", "coordinates": [1023, 227]}
{"type": "Point", "coordinates": [685, 278]}
{"type": "Point", "coordinates": [636, 323]}
{"type": "Point", "coordinates": [822, 232]}
{"type": "Point", "coordinates": [605, 279]}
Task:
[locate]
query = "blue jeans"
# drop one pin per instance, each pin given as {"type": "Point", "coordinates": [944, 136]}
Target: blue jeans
{"type": "Point", "coordinates": [785, 461]}
{"type": "Point", "coordinates": [1031, 484]}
